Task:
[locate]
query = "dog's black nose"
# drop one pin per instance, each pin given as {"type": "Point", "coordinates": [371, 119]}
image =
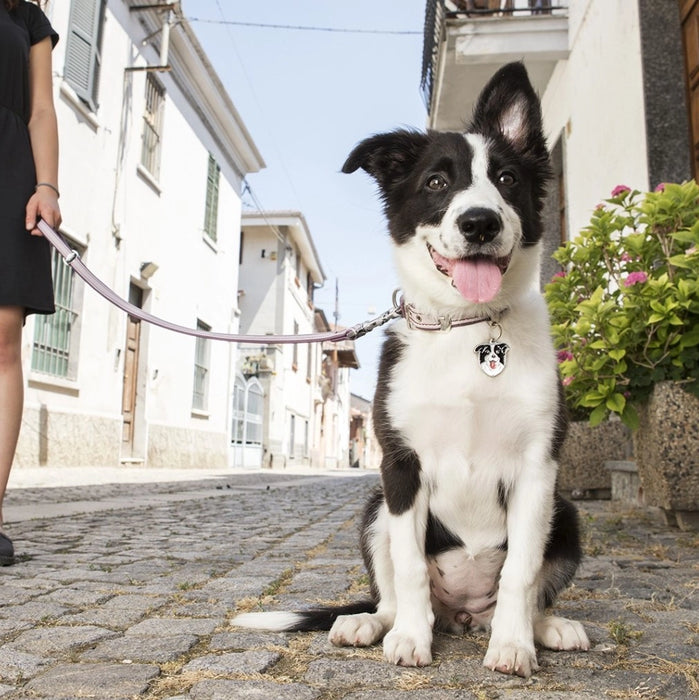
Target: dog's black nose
{"type": "Point", "coordinates": [479, 225]}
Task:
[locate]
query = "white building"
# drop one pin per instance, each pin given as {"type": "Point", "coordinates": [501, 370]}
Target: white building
{"type": "Point", "coordinates": [279, 270]}
{"type": "Point", "coordinates": [293, 401]}
{"type": "Point", "coordinates": [335, 446]}
{"type": "Point", "coordinates": [153, 154]}
{"type": "Point", "coordinates": [614, 83]}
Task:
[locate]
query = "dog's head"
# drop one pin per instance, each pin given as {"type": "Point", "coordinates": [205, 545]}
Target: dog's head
{"type": "Point", "coordinates": [464, 210]}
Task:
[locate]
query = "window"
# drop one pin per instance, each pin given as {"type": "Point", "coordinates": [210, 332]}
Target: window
{"type": "Point", "coordinates": [309, 363]}
{"type": "Point", "coordinates": [298, 265]}
{"type": "Point", "coordinates": [211, 210]}
{"type": "Point", "coordinates": [55, 342]}
{"type": "Point", "coordinates": [84, 49]}
{"type": "Point", "coordinates": [201, 371]}
{"type": "Point", "coordinates": [310, 287]}
{"type": "Point", "coordinates": [248, 412]}
{"type": "Point", "coordinates": [238, 411]}
{"type": "Point", "coordinates": [292, 436]}
{"type": "Point", "coordinates": [152, 126]}
{"type": "Point", "coordinates": [255, 412]}
{"type": "Point", "coordinates": [295, 350]}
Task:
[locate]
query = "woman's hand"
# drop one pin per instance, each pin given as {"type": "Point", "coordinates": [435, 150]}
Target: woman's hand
{"type": "Point", "coordinates": [43, 204]}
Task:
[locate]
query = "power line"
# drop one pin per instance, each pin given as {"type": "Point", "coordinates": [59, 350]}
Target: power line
{"type": "Point", "coordinates": [306, 28]}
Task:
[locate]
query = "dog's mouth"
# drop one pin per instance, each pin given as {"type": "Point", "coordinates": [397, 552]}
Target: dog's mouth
{"type": "Point", "coordinates": [477, 278]}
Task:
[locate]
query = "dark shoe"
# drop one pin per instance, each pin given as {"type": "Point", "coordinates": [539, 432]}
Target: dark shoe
{"type": "Point", "coordinates": [7, 551]}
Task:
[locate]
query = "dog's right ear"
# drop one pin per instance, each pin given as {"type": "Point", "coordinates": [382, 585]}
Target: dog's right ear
{"type": "Point", "coordinates": [388, 158]}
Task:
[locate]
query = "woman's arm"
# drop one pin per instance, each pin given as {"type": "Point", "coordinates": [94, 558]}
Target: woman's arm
{"type": "Point", "coordinates": [43, 133]}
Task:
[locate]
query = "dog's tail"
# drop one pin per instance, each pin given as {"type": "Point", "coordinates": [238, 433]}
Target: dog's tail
{"type": "Point", "coordinates": [316, 619]}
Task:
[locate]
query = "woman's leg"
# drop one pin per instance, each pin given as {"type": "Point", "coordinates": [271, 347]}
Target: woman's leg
{"type": "Point", "coordinates": [11, 389]}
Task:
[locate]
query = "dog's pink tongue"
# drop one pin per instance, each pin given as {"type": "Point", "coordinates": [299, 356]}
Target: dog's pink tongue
{"type": "Point", "coordinates": [477, 279]}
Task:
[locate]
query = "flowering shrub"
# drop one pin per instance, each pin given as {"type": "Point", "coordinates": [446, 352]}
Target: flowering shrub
{"type": "Point", "coordinates": [625, 310]}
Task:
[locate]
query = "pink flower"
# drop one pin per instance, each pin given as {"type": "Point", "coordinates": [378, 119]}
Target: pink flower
{"type": "Point", "coordinates": [558, 275]}
{"type": "Point", "coordinates": [564, 355]}
{"type": "Point", "coordinates": [635, 278]}
{"type": "Point", "coordinates": [567, 381]}
{"type": "Point", "coordinates": [620, 189]}
{"type": "Point", "coordinates": [660, 187]}
{"type": "Point", "coordinates": [625, 257]}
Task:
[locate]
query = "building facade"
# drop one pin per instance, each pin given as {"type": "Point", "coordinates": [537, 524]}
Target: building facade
{"type": "Point", "coordinates": [153, 155]}
{"type": "Point", "coordinates": [279, 271]}
{"type": "Point", "coordinates": [294, 398]}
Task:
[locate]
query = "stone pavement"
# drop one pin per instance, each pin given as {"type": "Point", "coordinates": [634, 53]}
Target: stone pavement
{"type": "Point", "coordinates": [126, 591]}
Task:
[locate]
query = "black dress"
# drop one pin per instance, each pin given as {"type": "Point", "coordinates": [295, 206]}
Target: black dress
{"type": "Point", "coordinates": [25, 260]}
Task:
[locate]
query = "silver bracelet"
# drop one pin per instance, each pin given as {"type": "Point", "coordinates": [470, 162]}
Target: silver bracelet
{"type": "Point", "coordinates": [47, 184]}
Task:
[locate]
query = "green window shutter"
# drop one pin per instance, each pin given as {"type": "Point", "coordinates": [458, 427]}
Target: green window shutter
{"type": "Point", "coordinates": [213, 178]}
{"type": "Point", "coordinates": [153, 126]}
{"type": "Point", "coordinates": [83, 49]}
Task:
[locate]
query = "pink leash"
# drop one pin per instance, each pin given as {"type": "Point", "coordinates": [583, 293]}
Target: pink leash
{"type": "Point", "coordinates": [72, 259]}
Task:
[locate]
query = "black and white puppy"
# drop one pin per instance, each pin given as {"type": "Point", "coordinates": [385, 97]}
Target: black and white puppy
{"type": "Point", "coordinates": [467, 530]}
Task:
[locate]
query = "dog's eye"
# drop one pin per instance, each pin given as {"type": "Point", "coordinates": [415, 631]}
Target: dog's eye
{"type": "Point", "coordinates": [507, 178]}
{"type": "Point", "coordinates": [436, 183]}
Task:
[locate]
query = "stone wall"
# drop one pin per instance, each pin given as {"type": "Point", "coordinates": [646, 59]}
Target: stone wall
{"type": "Point", "coordinates": [182, 447]}
{"type": "Point", "coordinates": [67, 439]}
{"type": "Point", "coordinates": [582, 470]}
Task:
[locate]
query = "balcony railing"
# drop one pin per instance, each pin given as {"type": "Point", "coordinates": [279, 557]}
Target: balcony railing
{"type": "Point", "coordinates": [437, 12]}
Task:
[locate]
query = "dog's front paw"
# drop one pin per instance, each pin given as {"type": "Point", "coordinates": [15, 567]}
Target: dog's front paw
{"type": "Point", "coordinates": [360, 630]}
{"type": "Point", "coordinates": [560, 634]}
{"type": "Point", "coordinates": [512, 658]}
{"type": "Point", "coordinates": [408, 648]}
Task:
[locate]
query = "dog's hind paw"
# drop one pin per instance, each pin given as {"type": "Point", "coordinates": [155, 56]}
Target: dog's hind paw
{"type": "Point", "coordinates": [560, 634]}
{"type": "Point", "coordinates": [408, 649]}
{"type": "Point", "coordinates": [511, 659]}
{"type": "Point", "coordinates": [360, 630]}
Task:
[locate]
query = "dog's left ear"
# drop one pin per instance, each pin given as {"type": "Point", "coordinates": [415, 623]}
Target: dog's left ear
{"type": "Point", "coordinates": [388, 158]}
{"type": "Point", "coordinates": [508, 106]}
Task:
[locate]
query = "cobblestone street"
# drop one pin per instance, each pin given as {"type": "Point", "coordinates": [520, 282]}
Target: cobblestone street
{"type": "Point", "coordinates": [126, 591]}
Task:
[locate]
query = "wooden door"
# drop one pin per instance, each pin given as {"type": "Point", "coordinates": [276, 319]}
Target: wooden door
{"type": "Point", "coordinates": [689, 13]}
{"type": "Point", "coordinates": [130, 391]}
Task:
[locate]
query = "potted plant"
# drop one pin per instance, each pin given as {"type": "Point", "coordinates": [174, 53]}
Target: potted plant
{"type": "Point", "coordinates": [625, 319]}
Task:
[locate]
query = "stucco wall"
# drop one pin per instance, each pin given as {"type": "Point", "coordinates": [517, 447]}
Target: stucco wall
{"type": "Point", "coordinates": [595, 102]}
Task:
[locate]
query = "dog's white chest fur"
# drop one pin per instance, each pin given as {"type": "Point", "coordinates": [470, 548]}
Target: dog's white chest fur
{"type": "Point", "coordinates": [471, 431]}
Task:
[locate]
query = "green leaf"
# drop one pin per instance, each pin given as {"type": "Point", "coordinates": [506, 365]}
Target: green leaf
{"type": "Point", "coordinates": [681, 261]}
{"type": "Point", "coordinates": [616, 402]}
{"type": "Point", "coordinates": [691, 236]}
{"type": "Point", "coordinates": [598, 415]}
{"type": "Point", "coordinates": [617, 353]}
{"type": "Point", "coordinates": [592, 399]}
{"type": "Point", "coordinates": [691, 338]}
{"type": "Point", "coordinates": [630, 417]}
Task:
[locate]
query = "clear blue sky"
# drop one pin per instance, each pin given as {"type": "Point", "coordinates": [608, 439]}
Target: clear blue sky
{"type": "Point", "coordinates": [307, 98]}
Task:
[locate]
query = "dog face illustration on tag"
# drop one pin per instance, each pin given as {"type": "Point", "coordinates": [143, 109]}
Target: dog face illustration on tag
{"type": "Point", "coordinates": [491, 357]}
